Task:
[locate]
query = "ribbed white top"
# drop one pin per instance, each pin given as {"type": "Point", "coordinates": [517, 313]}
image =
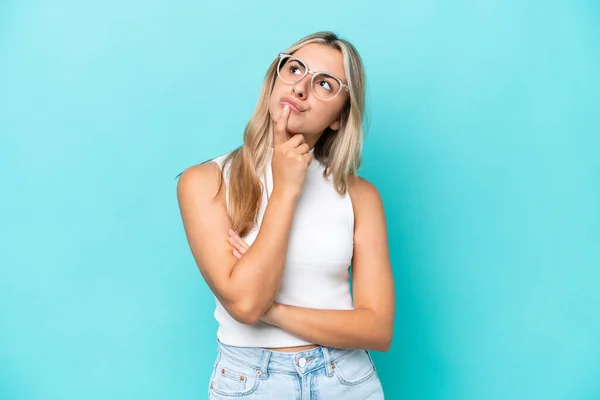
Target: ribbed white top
{"type": "Point", "coordinates": [316, 272]}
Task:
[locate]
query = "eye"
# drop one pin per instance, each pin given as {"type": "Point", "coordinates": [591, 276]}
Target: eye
{"type": "Point", "coordinates": [296, 68]}
{"type": "Point", "coordinates": [325, 85]}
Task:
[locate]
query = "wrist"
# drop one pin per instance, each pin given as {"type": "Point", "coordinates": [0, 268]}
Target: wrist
{"type": "Point", "coordinates": [285, 195]}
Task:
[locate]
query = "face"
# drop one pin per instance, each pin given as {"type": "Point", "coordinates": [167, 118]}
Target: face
{"type": "Point", "coordinates": [312, 115]}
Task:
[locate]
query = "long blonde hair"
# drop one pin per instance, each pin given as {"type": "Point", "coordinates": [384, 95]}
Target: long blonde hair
{"type": "Point", "coordinates": [340, 151]}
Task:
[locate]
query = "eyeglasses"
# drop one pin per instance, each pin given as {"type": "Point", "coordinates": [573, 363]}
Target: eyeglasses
{"type": "Point", "coordinates": [323, 85]}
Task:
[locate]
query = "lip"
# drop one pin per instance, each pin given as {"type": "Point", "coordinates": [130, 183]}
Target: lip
{"type": "Point", "coordinates": [293, 105]}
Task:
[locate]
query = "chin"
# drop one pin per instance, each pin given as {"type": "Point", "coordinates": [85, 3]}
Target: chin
{"type": "Point", "coordinates": [294, 129]}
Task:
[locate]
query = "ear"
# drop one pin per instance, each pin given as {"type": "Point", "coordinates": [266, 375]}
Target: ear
{"type": "Point", "coordinates": [335, 125]}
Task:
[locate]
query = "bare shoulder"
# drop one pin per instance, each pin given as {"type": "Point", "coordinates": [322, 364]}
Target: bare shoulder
{"type": "Point", "coordinates": [199, 180]}
{"type": "Point", "coordinates": [364, 194]}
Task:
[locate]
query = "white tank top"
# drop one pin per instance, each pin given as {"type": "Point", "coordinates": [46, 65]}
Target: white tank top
{"type": "Point", "coordinates": [316, 272]}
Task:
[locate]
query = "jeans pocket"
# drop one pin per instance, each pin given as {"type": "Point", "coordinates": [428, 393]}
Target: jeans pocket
{"type": "Point", "coordinates": [232, 379]}
{"type": "Point", "coordinates": [354, 368]}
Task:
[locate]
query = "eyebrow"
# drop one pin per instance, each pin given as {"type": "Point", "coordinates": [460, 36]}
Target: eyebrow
{"type": "Point", "coordinates": [320, 71]}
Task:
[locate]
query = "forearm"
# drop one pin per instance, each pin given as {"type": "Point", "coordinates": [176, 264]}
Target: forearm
{"type": "Point", "coordinates": [350, 329]}
{"type": "Point", "coordinates": [257, 276]}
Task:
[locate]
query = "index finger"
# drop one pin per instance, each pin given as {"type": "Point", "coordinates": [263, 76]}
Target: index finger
{"type": "Point", "coordinates": [280, 128]}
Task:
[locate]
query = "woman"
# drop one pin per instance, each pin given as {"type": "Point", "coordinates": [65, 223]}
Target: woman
{"type": "Point", "coordinates": [276, 242]}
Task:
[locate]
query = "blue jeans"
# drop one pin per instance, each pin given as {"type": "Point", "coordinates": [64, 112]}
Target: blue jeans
{"type": "Point", "coordinates": [322, 373]}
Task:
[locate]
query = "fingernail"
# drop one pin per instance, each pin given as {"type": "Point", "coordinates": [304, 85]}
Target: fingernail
{"type": "Point", "coordinates": [286, 108]}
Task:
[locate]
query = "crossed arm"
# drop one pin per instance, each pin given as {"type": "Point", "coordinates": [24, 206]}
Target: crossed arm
{"type": "Point", "coordinates": [370, 324]}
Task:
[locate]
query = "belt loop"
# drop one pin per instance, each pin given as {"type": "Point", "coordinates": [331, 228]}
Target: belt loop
{"type": "Point", "coordinates": [327, 357]}
{"type": "Point", "coordinates": [264, 364]}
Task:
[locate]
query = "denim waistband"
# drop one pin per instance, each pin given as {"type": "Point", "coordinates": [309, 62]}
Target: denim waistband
{"type": "Point", "coordinates": [301, 362]}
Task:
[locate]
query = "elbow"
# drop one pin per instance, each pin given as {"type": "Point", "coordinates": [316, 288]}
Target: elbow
{"type": "Point", "coordinates": [384, 342]}
{"type": "Point", "coordinates": [248, 318]}
{"type": "Point", "coordinates": [382, 346]}
{"type": "Point", "coordinates": [385, 345]}
{"type": "Point", "coordinates": [245, 313]}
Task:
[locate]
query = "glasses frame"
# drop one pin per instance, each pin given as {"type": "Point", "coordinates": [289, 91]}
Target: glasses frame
{"type": "Point", "coordinates": [284, 56]}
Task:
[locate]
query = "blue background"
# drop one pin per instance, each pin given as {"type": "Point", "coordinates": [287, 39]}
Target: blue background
{"type": "Point", "coordinates": [483, 141]}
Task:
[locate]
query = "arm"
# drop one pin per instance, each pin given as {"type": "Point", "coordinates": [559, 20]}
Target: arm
{"type": "Point", "coordinates": [370, 324]}
{"type": "Point", "coordinates": [361, 328]}
{"type": "Point", "coordinates": [245, 287]}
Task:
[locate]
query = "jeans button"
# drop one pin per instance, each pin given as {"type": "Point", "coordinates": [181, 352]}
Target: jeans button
{"type": "Point", "coordinates": [302, 362]}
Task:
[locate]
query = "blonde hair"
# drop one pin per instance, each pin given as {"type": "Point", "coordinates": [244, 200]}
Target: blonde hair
{"type": "Point", "coordinates": [340, 151]}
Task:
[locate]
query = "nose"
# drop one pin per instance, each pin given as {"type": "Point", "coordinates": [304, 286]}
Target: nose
{"type": "Point", "coordinates": [300, 88]}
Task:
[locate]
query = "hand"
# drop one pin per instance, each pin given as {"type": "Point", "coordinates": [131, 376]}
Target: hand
{"type": "Point", "coordinates": [240, 247]}
{"type": "Point", "coordinates": [291, 158]}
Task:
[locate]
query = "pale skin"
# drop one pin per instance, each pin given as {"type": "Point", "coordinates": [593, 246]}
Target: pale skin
{"type": "Point", "coordinates": [246, 278]}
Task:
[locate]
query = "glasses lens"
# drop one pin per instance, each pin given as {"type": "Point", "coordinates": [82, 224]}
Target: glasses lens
{"type": "Point", "coordinates": [291, 70]}
{"type": "Point", "coordinates": [325, 86]}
